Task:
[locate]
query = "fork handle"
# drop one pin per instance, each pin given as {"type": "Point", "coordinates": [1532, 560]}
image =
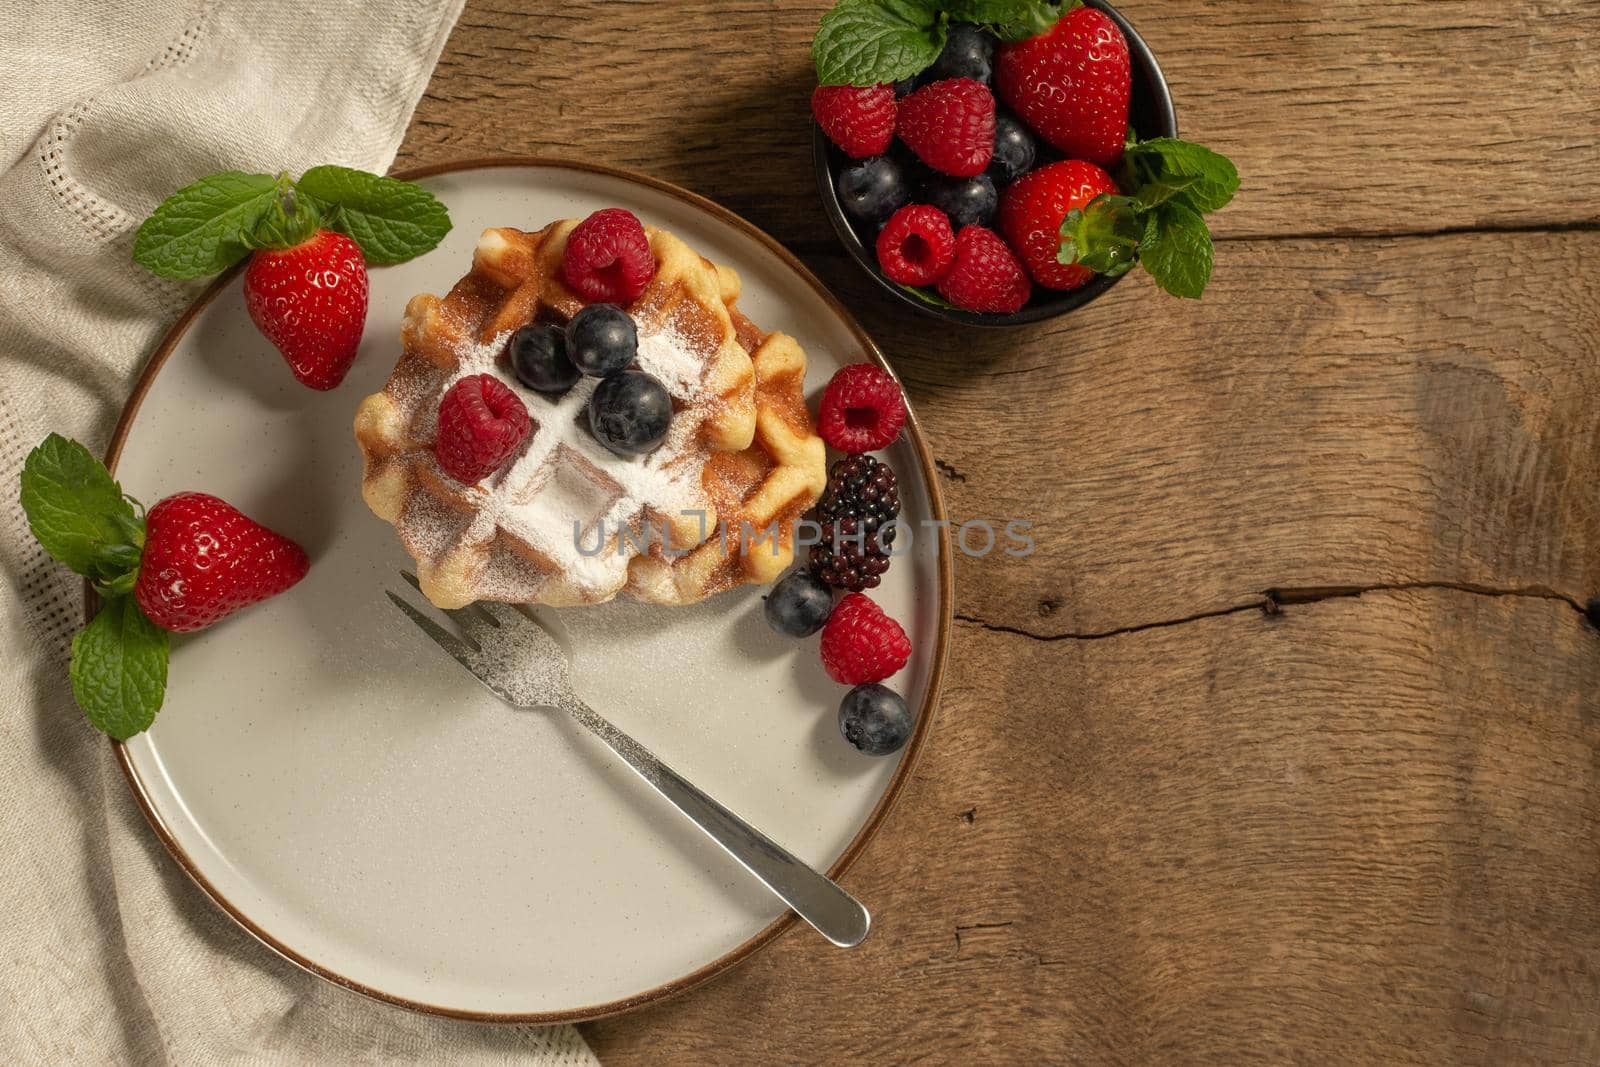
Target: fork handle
{"type": "Point", "coordinates": [817, 899]}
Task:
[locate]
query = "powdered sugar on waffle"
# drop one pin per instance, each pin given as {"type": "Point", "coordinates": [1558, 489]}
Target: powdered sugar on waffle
{"type": "Point", "coordinates": [565, 496]}
{"type": "Point", "coordinates": [664, 354]}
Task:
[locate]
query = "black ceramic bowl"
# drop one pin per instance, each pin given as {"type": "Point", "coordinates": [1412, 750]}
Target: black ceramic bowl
{"type": "Point", "coordinates": [1150, 113]}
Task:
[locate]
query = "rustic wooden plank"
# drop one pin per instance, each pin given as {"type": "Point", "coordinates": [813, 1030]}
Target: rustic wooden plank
{"type": "Point", "coordinates": [1333, 413]}
{"type": "Point", "coordinates": [1371, 116]}
{"type": "Point", "coordinates": [1361, 830]}
{"type": "Point", "coordinates": [1389, 116]}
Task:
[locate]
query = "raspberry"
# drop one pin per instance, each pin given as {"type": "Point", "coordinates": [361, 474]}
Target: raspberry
{"type": "Point", "coordinates": [917, 246]}
{"type": "Point", "coordinates": [608, 257]}
{"type": "Point", "coordinates": [1031, 212]}
{"type": "Point", "coordinates": [950, 126]}
{"type": "Point", "coordinates": [862, 498]}
{"type": "Point", "coordinates": [481, 422]}
{"type": "Point", "coordinates": [862, 409]}
{"type": "Point", "coordinates": [862, 644]}
{"type": "Point", "coordinates": [857, 118]}
{"type": "Point", "coordinates": [986, 275]}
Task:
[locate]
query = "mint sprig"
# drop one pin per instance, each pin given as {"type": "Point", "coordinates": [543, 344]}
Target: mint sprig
{"type": "Point", "coordinates": [211, 224]}
{"type": "Point", "coordinates": [1158, 221]}
{"type": "Point", "coordinates": [865, 42]}
{"type": "Point", "coordinates": [1209, 179]}
{"type": "Point", "coordinates": [80, 515]}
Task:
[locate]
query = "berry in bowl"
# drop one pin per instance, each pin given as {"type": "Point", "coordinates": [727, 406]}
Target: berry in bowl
{"type": "Point", "coordinates": [1006, 172]}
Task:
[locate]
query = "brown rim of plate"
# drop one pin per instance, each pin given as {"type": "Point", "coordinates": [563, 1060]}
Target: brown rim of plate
{"type": "Point", "coordinates": [930, 702]}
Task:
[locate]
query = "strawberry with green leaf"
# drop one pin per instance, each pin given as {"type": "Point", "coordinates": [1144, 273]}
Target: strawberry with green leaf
{"type": "Point", "coordinates": [1159, 223]}
{"type": "Point", "coordinates": [309, 243]}
{"type": "Point", "coordinates": [192, 560]}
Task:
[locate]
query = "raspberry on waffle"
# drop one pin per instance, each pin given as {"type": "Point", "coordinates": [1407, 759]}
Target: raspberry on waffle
{"type": "Point", "coordinates": [563, 521]}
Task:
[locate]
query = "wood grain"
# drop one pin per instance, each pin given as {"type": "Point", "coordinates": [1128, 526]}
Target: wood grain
{"type": "Point", "coordinates": [1284, 745]}
{"type": "Point", "coordinates": [1346, 412]}
{"type": "Point", "coordinates": [1356, 116]}
{"type": "Point", "coordinates": [1341, 834]}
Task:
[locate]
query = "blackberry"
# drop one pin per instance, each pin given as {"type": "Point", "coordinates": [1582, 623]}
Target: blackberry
{"type": "Point", "coordinates": [861, 498]}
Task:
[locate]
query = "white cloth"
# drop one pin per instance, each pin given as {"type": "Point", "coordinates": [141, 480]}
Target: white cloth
{"type": "Point", "coordinates": [107, 952]}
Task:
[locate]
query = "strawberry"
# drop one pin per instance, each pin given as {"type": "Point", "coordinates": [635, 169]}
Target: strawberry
{"type": "Point", "coordinates": [1031, 210]}
{"type": "Point", "coordinates": [187, 563]}
{"type": "Point", "coordinates": [310, 300]}
{"type": "Point", "coordinates": [857, 118]}
{"type": "Point", "coordinates": [950, 126]}
{"type": "Point", "coordinates": [309, 241]}
{"type": "Point", "coordinates": [203, 559]}
{"type": "Point", "coordinates": [1072, 84]}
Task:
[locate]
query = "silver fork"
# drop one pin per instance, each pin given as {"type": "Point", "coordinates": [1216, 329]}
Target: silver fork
{"type": "Point", "coordinates": [517, 660]}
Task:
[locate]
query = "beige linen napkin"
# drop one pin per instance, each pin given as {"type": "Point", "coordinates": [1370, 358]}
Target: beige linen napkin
{"type": "Point", "coordinates": [107, 952]}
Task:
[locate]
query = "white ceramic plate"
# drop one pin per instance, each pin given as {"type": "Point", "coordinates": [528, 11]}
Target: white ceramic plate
{"type": "Point", "coordinates": [346, 792]}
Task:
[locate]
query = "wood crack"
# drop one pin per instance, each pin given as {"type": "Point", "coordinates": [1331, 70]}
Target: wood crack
{"type": "Point", "coordinates": [1272, 602]}
{"type": "Point", "coordinates": [967, 928]}
{"type": "Point", "coordinates": [1100, 635]}
{"type": "Point", "coordinates": [1576, 226]}
{"type": "Point", "coordinates": [1312, 594]}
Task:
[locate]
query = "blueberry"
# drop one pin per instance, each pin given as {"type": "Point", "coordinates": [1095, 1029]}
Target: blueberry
{"type": "Point", "coordinates": [873, 189]}
{"type": "Point", "coordinates": [602, 340]}
{"type": "Point", "coordinates": [630, 412]}
{"type": "Point", "coordinates": [539, 359]}
{"type": "Point", "coordinates": [968, 53]}
{"type": "Point", "coordinates": [799, 605]}
{"type": "Point", "coordinates": [968, 201]}
{"type": "Point", "coordinates": [1014, 148]}
{"type": "Point", "coordinates": [874, 719]}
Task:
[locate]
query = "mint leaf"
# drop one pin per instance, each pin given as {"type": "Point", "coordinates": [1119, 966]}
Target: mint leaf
{"type": "Point", "coordinates": [1154, 194]}
{"type": "Point", "coordinates": [78, 512]}
{"type": "Point", "coordinates": [119, 669]}
{"type": "Point", "coordinates": [391, 220]}
{"type": "Point", "coordinates": [197, 230]}
{"type": "Point", "coordinates": [1215, 178]}
{"type": "Point", "coordinates": [1010, 20]}
{"type": "Point", "coordinates": [864, 42]}
{"type": "Point", "coordinates": [1177, 252]}
{"type": "Point", "coordinates": [931, 299]}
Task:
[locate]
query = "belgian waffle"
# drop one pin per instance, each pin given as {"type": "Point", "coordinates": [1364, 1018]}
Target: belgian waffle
{"type": "Point", "coordinates": [566, 521]}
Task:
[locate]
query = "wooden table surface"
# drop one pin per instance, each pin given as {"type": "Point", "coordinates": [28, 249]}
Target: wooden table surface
{"type": "Point", "coordinates": [1285, 744]}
